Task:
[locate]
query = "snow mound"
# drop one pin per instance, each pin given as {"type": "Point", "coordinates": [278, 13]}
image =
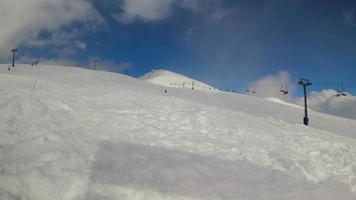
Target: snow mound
{"type": "Point", "coordinates": [276, 100]}
{"type": "Point", "coordinates": [74, 134]}
{"type": "Point", "coordinates": [171, 79]}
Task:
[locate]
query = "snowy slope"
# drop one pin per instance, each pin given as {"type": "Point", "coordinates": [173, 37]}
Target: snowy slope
{"type": "Point", "coordinates": [71, 133]}
{"type": "Point", "coordinates": [171, 79]}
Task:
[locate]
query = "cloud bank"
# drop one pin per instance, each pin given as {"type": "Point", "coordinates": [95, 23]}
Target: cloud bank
{"type": "Point", "coordinates": [270, 86]}
{"type": "Point", "coordinates": [326, 101]}
{"type": "Point", "coordinates": [147, 10]}
{"type": "Point", "coordinates": [22, 22]}
{"type": "Point", "coordinates": [155, 10]}
{"type": "Point", "coordinates": [111, 66]}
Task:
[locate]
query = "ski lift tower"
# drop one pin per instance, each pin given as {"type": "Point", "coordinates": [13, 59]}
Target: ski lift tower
{"type": "Point", "coordinates": [305, 83]}
{"type": "Point", "coordinates": [13, 57]}
{"type": "Point", "coordinates": [95, 61]}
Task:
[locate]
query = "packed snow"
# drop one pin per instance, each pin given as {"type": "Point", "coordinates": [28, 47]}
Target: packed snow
{"type": "Point", "coordinates": [171, 79]}
{"type": "Point", "coordinates": [74, 134]}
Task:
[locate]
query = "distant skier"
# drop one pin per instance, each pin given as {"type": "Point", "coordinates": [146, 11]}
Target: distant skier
{"type": "Point", "coordinates": [165, 91]}
{"type": "Point", "coordinates": [34, 63]}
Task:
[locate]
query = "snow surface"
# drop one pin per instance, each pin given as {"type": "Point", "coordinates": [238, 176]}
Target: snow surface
{"type": "Point", "coordinates": [70, 133]}
{"type": "Point", "coordinates": [171, 79]}
{"type": "Point", "coordinates": [276, 100]}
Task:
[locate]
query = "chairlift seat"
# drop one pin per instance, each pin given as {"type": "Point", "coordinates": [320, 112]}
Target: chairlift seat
{"type": "Point", "coordinates": [284, 91]}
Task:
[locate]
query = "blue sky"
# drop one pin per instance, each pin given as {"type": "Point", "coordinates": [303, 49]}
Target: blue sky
{"type": "Point", "coordinates": [226, 43]}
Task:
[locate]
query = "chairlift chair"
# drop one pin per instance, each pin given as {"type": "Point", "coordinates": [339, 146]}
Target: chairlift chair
{"type": "Point", "coordinates": [340, 91]}
{"type": "Point", "coordinates": [284, 90]}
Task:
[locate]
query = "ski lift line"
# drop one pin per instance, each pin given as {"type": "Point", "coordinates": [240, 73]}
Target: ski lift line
{"type": "Point", "coordinates": [335, 83]}
{"type": "Point", "coordinates": [252, 89]}
{"type": "Point", "coordinates": [346, 85]}
{"type": "Point", "coordinates": [278, 85]}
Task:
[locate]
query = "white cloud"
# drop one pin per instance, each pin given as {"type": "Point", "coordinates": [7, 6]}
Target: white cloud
{"type": "Point", "coordinates": [59, 61]}
{"type": "Point", "coordinates": [60, 43]}
{"type": "Point", "coordinates": [349, 17]}
{"type": "Point", "coordinates": [111, 66]}
{"type": "Point", "coordinates": [270, 86]}
{"type": "Point", "coordinates": [192, 4]}
{"type": "Point", "coordinates": [212, 9]}
{"type": "Point", "coordinates": [326, 101]}
{"type": "Point", "coordinates": [222, 13]}
{"type": "Point", "coordinates": [154, 10]}
{"type": "Point", "coordinates": [147, 10]}
{"type": "Point", "coordinates": [22, 22]}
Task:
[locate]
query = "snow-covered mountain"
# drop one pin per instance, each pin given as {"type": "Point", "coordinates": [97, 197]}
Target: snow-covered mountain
{"type": "Point", "coordinates": [171, 79]}
{"type": "Point", "coordinates": [74, 134]}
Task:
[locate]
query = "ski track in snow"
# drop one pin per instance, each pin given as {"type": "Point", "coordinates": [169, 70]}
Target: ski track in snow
{"type": "Point", "coordinates": [69, 133]}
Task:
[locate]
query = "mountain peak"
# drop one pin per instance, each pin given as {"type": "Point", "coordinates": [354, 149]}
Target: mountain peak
{"type": "Point", "coordinates": [172, 79]}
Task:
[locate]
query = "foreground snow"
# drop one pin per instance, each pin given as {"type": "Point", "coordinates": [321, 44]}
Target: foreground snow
{"type": "Point", "coordinates": [70, 133]}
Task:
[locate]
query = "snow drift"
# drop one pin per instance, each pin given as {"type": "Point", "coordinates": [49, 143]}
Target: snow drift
{"type": "Point", "coordinates": [70, 133]}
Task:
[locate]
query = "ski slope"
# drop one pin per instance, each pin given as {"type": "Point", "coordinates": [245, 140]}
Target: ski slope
{"type": "Point", "coordinates": [276, 100]}
{"type": "Point", "coordinates": [171, 79]}
{"type": "Point", "coordinates": [74, 134]}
